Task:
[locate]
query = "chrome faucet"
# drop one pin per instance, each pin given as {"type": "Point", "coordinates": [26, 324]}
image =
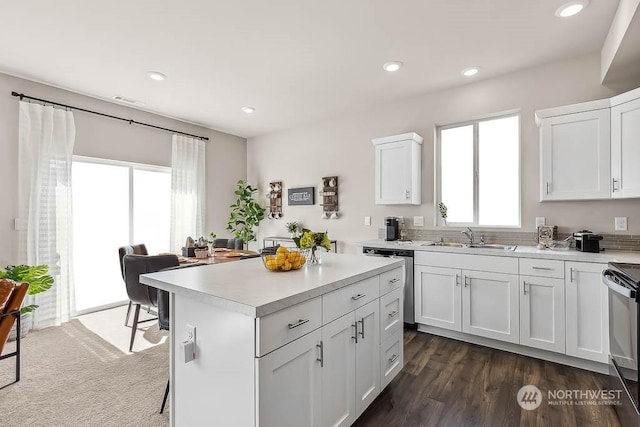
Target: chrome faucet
{"type": "Point", "coordinates": [469, 233]}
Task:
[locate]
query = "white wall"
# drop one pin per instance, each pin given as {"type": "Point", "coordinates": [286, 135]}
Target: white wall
{"type": "Point", "coordinates": [111, 139]}
{"type": "Point", "coordinates": [342, 146]}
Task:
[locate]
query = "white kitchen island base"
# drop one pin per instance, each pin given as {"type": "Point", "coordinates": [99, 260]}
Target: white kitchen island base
{"type": "Point", "coordinates": [312, 347]}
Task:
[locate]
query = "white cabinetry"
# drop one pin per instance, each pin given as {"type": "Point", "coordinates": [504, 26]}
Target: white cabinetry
{"type": "Point", "coordinates": [290, 384]}
{"type": "Point", "coordinates": [483, 303]}
{"type": "Point", "coordinates": [542, 322]}
{"type": "Point", "coordinates": [575, 153]}
{"type": "Point", "coordinates": [367, 355]}
{"type": "Point", "coordinates": [397, 169]}
{"type": "Point", "coordinates": [625, 145]}
{"type": "Point", "coordinates": [587, 311]}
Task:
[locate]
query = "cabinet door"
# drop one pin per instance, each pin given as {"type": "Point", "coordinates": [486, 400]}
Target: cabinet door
{"type": "Point", "coordinates": [393, 173]}
{"type": "Point", "coordinates": [338, 372]}
{"type": "Point", "coordinates": [438, 297]}
{"type": "Point", "coordinates": [542, 313]}
{"type": "Point", "coordinates": [367, 355]}
{"type": "Point", "coordinates": [625, 149]}
{"type": "Point", "coordinates": [490, 305]}
{"type": "Point", "coordinates": [290, 384]}
{"type": "Point", "coordinates": [587, 311]}
{"type": "Point", "coordinates": [575, 156]}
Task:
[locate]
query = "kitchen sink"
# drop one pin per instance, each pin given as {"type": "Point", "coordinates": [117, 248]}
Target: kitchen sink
{"type": "Point", "coordinates": [492, 246]}
{"type": "Point", "coordinates": [474, 246]}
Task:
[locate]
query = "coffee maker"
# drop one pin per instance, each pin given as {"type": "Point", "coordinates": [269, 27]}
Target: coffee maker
{"type": "Point", "coordinates": [393, 232]}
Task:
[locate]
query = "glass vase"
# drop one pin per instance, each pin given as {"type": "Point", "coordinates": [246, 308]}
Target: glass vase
{"type": "Point", "coordinates": [313, 256]}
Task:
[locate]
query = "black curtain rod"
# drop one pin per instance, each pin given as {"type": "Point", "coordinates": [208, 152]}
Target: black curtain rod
{"type": "Point", "coordinates": [131, 122]}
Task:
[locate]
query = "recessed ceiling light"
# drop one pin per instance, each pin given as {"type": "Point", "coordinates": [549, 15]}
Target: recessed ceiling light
{"type": "Point", "coordinates": [248, 110]}
{"type": "Point", "coordinates": [471, 71]}
{"type": "Point", "coordinates": [155, 75]}
{"type": "Point", "coordinates": [392, 66]}
{"type": "Point", "coordinates": [571, 8]}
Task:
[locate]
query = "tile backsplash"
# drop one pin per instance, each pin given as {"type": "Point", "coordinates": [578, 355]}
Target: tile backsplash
{"type": "Point", "coordinates": [618, 242]}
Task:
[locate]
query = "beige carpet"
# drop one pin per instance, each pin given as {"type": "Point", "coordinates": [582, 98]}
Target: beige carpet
{"type": "Point", "coordinates": [72, 377]}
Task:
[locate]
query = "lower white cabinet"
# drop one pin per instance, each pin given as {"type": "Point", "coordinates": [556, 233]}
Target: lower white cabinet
{"type": "Point", "coordinates": [490, 305]}
{"type": "Point", "coordinates": [542, 321]}
{"type": "Point", "coordinates": [290, 384]}
{"type": "Point", "coordinates": [351, 365]}
{"type": "Point", "coordinates": [587, 311]}
{"type": "Point", "coordinates": [475, 302]}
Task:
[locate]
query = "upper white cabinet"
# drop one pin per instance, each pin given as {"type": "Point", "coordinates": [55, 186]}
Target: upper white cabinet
{"type": "Point", "coordinates": [574, 156]}
{"type": "Point", "coordinates": [589, 150]}
{"type": "Point", "coordinates": [397, 169]}
{"type": "Point", "coordinates": [625, 145]}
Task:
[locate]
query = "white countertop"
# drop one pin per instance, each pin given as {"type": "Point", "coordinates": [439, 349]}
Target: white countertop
{"type": "Point", "coordinates": [247, 287]}
{"type": "Point", "coordinates": [520, 252]}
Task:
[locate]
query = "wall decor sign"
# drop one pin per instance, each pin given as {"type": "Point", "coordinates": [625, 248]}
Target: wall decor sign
{"type": "Point", "coordinates": [301, 196]}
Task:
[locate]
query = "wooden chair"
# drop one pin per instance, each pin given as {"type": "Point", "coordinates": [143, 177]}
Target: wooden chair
{"type": "Point", "coordinates": [11, 297]}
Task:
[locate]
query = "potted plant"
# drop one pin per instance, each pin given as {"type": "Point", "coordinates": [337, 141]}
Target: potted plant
{"type": "Point", "coordinates": [246, 213]}
{"type": "Point", "coordinates": [292, 228]}
{"type": "Point", "coordinates": [39, 281]}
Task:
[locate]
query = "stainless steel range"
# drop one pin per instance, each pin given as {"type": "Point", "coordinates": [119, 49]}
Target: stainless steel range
{"type": "Point", "coordinates": [623, 281]}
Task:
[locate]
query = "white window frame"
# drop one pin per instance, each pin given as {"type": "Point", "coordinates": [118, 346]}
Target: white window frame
{"type": "Point", "coordinates": [132, 166]}
{"type": "Point", "coordinates": [476, 200]}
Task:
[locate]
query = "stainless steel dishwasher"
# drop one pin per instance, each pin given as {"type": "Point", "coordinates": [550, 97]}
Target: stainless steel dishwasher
{"type": "Point", "coordinates": [408, 269]}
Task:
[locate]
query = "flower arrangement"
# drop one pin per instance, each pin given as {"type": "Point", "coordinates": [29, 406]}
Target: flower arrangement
{"type": "Point", "coordinates": [312, 240]}
{"type": "Point", "coordinates": [292, 228]}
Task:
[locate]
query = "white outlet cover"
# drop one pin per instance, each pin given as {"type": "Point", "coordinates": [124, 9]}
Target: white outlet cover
{"type": "Point", "coordinates": [418, 221]}
{"type": "Point", "coordinates": [367, 220]}
{"type": "Point", "coordinates": [540, 221]}
{"type": "Point", "coordinates": [621, 223]}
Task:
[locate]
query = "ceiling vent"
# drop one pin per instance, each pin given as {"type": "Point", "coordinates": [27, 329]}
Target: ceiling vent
{"type": "Point", "coordinates": [127, 100]}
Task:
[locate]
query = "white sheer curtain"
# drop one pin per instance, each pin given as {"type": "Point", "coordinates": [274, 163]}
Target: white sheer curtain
{"type": "Point", "coordinates": [187, 190]}
{"type": "Point", "coordinates": [46, 138]}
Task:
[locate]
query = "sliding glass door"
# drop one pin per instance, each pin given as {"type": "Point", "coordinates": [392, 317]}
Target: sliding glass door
{"type": "Point", "coordinates": [114, 204]}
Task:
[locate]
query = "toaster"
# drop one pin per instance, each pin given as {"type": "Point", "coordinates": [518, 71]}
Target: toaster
{"type": "Point", "coordinates": [587, 241]}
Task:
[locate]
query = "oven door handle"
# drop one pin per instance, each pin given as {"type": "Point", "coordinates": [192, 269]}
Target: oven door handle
{"type": "Point", "coordinates": [617, 288]}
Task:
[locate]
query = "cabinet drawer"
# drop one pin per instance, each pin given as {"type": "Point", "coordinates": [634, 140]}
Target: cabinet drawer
{"type": "Point", "coordinates": [391, 280]}
{"type": "Point", "coordinates": [342, 301]}
{"type": "Point", "coordinates": [391, 313]}
{"type": "Point", "coordinates": [497, 264]}
{"type": "Point", "coordinates": [282, 327]}
{"type": "Point", "coordinates": [391, 360]}
{"type": "Point", "coordinates": [542, 267]}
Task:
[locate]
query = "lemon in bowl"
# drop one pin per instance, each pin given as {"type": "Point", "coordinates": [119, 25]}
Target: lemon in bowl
{"type": "Point", "coordinates": [282, 259]}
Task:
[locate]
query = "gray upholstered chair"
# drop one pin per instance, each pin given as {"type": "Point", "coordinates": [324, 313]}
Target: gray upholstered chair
{"type": "Point", "coordinates": [139, 249]}
{"type": "Point", "coordinates": [236, 244]}
{"type": "Point", "coordinates": [140, 294]}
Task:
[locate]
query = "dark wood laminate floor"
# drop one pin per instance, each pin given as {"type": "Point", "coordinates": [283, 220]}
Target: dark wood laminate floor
{"type": "Point", "coordinates": [451, 383]}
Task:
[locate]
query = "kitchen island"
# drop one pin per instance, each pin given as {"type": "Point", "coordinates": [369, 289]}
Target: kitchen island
{"type": "Point", "coordinates": [302, 348]}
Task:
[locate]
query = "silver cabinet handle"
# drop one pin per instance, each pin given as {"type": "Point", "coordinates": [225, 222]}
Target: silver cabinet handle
{"type": "Point", "coordinates": [547, 188]}
{"type": "Point", "coordinates": [362, 327]}
{"type": "Point", "coordinates": [467, 281]}
{"type": "Point", "coordinates": [321, 359]}
{"type": "Point", "coordinates": [355, 325]}
{"type": "Point", "coordinates": [394, 313]}
{"type": "Point", "coordinates": [457, 280]}
{"type": "Point", "coordinates": [357, 297]}
{"type": "Point", "coordinates": [541, 268]}
{"type": "Point", "coordinates": [571, 274]}
{"type": "Point", "coordinates": [613, 187]}
{"type": "Point", "coordinates": [298, 323]}
{"type": "Point", "coordinates": [393, 358]}
{"type": "Point", "coordinates": [524, 288]}
{"type": "Point", "coordinates": [394, 280]}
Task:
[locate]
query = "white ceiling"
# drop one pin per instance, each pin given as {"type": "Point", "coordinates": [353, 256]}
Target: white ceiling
{"type": "Point", "coordinates": [295, 61]}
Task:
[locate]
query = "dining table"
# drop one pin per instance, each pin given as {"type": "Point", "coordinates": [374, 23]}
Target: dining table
{"type": "Point", "coordinates": [220, 256]}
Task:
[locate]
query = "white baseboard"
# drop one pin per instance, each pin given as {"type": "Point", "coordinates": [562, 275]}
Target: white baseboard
{"type": "Point", "coordinates": [562, 359]}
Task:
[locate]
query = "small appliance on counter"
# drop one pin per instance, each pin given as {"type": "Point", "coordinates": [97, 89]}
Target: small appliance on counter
{"type": "Point", "coordinates": [393, 231]}
{"type": "Point", "coordinates": [547, 233]}
{"type": "Point", "coordinates": [587, 241]}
